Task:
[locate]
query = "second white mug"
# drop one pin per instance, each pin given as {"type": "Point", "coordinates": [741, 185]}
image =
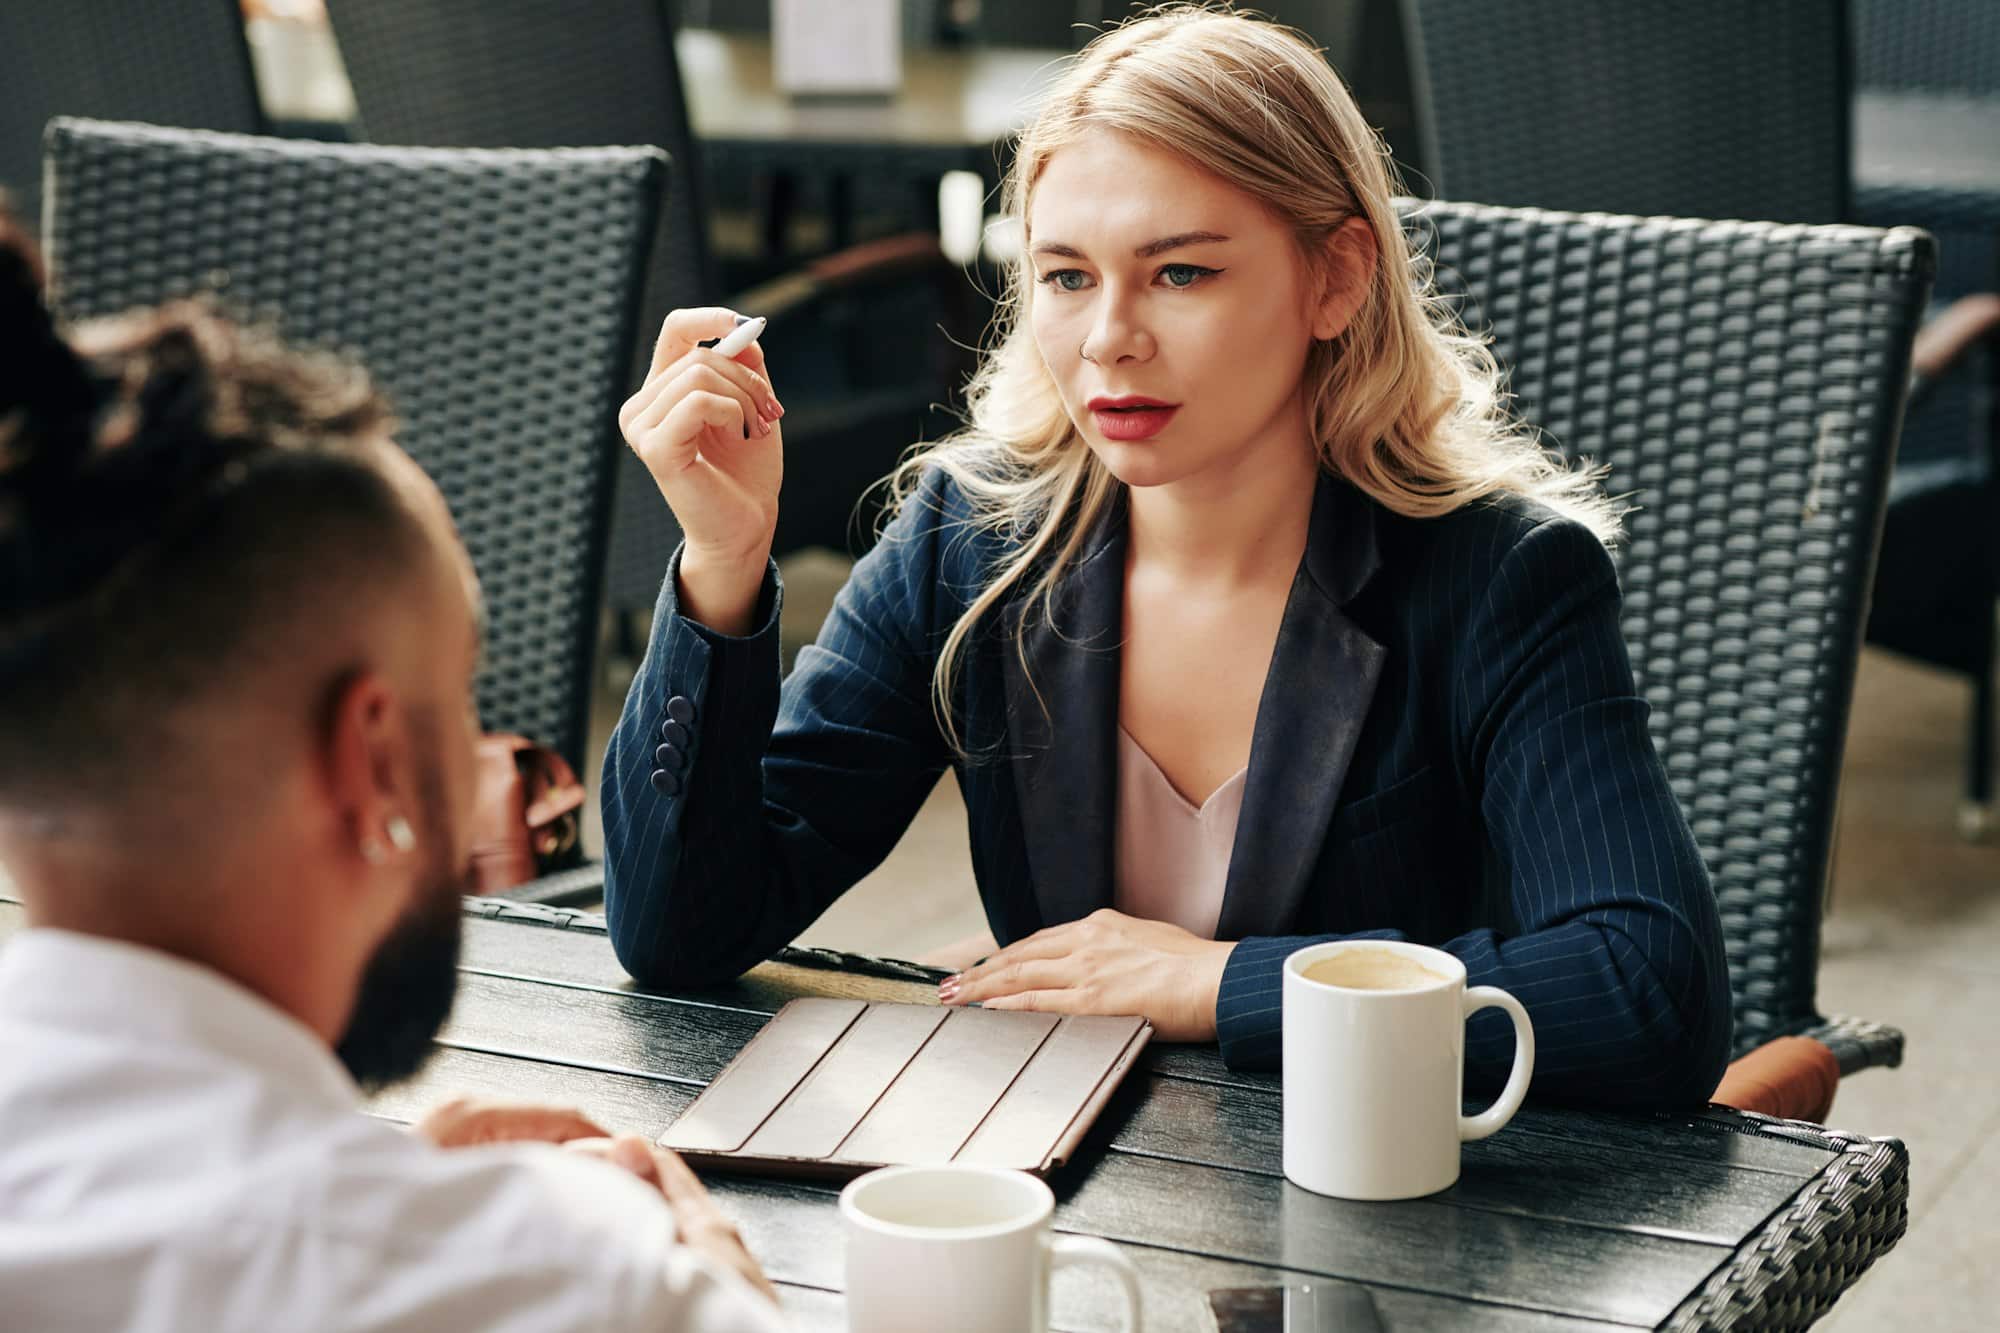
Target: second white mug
{"type": "Point", "coordinates": [1374, 1046]}
{"type": "Point", "coordinates": [964, 1248]}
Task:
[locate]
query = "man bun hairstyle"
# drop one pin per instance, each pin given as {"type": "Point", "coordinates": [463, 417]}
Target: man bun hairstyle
{"type": "Point", "coordinates": [176, 492]}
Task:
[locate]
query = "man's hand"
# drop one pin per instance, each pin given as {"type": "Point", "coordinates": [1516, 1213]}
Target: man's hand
{"type": "Point", "coordinates": [464, 1122]}
{"type": "Point", "coordinates": [701, 1224]}
{"type": "Point", "coordinates": [1107, 963]}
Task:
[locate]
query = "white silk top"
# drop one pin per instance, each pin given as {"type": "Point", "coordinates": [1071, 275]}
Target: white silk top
{"type": "Point", "coordinates": [1173, 856]}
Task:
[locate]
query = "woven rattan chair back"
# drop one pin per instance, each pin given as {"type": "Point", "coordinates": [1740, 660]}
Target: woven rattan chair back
{"type": "Point", "coordinates": [535, 74]}
{"type": "Point", "coordinates": [491, 294]}
{"type": "Point", "coordinates": [179, 64]}
{"type": "Point", "coordinates": [1701, 108]}
{"type": "Point", "coordinates": [1743, 385]}
{"type": "Point", "coordinates": [1931, 46]}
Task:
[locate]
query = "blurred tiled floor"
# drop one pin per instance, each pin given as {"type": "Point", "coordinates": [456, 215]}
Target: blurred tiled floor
{"type": "Point", "coordinates": [1913, 939]}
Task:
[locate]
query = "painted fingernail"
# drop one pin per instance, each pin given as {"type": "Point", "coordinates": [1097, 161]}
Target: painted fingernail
{"type": "Point", "coordinates": [774, 407]}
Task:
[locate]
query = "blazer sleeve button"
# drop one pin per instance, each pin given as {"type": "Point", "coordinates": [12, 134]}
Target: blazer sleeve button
{"type": "Point", "coordinates": [681, 709]}
{"type": "Point", "coordinates": [665, 783]}
{"type": "Point", "coordinates": [670, 758]}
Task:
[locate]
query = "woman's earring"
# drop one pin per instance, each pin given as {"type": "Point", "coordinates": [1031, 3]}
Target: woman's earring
{"type": "Point", "coordinates": [401, 836]}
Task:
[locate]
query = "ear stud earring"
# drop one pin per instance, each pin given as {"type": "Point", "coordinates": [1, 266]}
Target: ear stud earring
{"type": "Point", "coordinates": [401, 836]}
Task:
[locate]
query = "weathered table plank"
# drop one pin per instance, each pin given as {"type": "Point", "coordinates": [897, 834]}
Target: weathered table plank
{"type": "Point", "coordinates": [584, 958]}
{"type": "Point", "coordinates": [1176, 1282]}
{"type": "Point", "coordinates": [1532, 1174]}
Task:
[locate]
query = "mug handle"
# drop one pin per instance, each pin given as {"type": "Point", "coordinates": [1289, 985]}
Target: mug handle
{"type": "Point", "coordinates": [1493, 1117]}
{"type": "Point", "coordinates": [1089, 1251]}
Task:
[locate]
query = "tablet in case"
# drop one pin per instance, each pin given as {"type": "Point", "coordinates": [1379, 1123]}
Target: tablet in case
{"type": "Point", "coordinates": [832, 1088]}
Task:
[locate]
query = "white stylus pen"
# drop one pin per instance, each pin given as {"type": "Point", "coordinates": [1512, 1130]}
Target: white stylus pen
{"type": "Point", "coordinates": [740, 337]}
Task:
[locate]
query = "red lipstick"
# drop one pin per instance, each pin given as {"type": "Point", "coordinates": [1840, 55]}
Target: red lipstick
{"type": "Point", "coordinates": [1131, 416]}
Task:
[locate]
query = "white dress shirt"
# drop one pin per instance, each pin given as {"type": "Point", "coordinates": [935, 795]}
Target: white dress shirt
{"type": "Point", "coordinates": [178, 1154]}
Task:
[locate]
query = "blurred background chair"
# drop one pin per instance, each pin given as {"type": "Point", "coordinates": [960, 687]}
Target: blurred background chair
{"type": "Point", "coordinates": [1363, 39]}
{"type": "Point", "coordinates": [1743, 384]}
{"type": "Point", "coordinates": [175, 64]}
{"type": "Point", "coordinates": [921, 18]}
{"type": "Point", "coordinates": [1933, 66]}
{"type": "Point", "coordinates": [866, 344]}
{"type": "Point", "coordinates": [1718, 109]}
{"type": "Point", "coordinates": [1933, 46]}
{"type": "Point", "coordinates": [1709, 109]}
{"type": "Point", "coordinates": [492, 295]}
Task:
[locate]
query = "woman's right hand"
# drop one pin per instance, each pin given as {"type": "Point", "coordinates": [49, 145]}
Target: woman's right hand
{"type": "Point", "coordinates": [706, 428]}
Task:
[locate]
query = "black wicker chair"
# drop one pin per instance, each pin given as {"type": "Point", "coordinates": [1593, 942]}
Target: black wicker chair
{"type": "Point", "coordinates": [1717, 109]}
{"type": "Point", "coordinates": [180, 64]}
{"type": "Point", "coordinates": [1743, 384]}
{"type": "Point", "coordinates": [491, 294]}
{"type": "Point", "coordinates": [466, 73]}
{"type": "Point", "coordinates": [1709, 108]}
{"type": "Point", "coordinates": [1923, 56]}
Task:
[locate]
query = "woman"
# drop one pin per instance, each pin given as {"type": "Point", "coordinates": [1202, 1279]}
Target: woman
{"type": "Point", "coordinates": [1242, 612]}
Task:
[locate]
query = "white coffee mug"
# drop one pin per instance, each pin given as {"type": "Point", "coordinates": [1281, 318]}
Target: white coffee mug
{"type": "Point", "coordinates": [1375, 1070]}
{"type": "Point", "coordinates": [964, 1248]}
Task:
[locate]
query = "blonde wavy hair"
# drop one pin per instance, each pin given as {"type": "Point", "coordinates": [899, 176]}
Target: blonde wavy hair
{"type": "Point", "coordinates": [1403, 404]}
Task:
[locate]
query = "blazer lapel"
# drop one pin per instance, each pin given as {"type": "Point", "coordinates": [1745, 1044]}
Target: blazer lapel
{"type": "Point", "coordinates": [1315, 701]}
{"type": "Point", "coordinates": [1062, 724]}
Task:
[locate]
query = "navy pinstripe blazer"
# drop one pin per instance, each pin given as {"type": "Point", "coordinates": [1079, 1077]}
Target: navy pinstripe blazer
{"type": "Point", "coordinates": [1449, 749]}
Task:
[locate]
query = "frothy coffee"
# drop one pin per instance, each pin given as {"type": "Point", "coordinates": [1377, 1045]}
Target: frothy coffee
{"type": "Point", "coordinates": [1372, 969]}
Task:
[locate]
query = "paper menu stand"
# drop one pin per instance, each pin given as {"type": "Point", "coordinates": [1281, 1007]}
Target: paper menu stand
{"type": "Point", "coordinates": [837, 47]}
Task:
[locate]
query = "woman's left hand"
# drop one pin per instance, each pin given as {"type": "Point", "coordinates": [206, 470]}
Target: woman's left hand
{"type": "Point", "coordinates": [1107, 963]}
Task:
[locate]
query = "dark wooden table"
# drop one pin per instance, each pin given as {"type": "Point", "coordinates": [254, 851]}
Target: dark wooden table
{"type": "Point", "coordinates": [954, 109]}
{"type": "Point", "coordinates": [1566, 1220]}
{"type": "Point", "coordinates": [957, 110]}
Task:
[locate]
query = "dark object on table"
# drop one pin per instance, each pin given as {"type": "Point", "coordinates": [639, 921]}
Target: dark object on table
{"type": "Point", "coordinates": [1742, 382]}
{"type": "Point", "coordinates": [1325, 1306]}
{"type": "Point", "coordinates": [854, 342]}
{"type": "Point", "coordinates": [180, 64]}
{"type": "Point", "coordinates": [832, 1088]}
{"type": "Point", "coordinates": [503, 352]}
{"type": "Point", "coordinates": [1718, 109]}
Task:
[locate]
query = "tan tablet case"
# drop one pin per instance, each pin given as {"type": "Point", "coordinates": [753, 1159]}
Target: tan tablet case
{"type": "Point", "coordinates": [838, 1087]}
